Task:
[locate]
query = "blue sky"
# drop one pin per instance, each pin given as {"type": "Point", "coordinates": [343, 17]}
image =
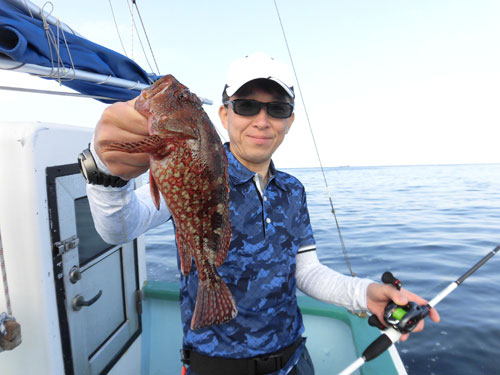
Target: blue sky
{"type": "Point", "coordinates": [384, 82]}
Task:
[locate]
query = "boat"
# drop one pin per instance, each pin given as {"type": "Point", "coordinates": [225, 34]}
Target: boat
{"type": "Point", "coordinates": [86, 307]}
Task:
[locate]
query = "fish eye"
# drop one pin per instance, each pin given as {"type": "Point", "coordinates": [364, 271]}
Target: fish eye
{"type": "Point", "coordinates": [183, 95]}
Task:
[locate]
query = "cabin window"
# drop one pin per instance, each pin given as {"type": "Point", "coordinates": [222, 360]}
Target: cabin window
{"type": "Point", "coordinates": [91, 244]}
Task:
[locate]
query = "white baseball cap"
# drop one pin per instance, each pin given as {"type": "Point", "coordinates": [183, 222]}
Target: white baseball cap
{"type": "Point", "coordinates": [258, 66]}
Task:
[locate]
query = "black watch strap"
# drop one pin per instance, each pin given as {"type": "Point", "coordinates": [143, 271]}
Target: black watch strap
{"type": "Point", "coordinates": [93, 175]}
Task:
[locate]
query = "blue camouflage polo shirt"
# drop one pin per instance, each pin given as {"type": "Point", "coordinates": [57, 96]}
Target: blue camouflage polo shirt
{"type": "Point", "coordinates": [267, 232]}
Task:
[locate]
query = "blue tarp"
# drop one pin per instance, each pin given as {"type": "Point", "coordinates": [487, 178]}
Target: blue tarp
{"type": "Point", "coordinates": [24, 40]}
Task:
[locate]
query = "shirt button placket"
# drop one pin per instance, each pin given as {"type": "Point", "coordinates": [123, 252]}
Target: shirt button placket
{"type": "Point", "coordinates": [267, 211]}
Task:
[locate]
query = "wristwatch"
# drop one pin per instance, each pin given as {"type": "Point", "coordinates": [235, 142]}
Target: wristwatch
{"type": "Point", "coordinates": [93, 175]}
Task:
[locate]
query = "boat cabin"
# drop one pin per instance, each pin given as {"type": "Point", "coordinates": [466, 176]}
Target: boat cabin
{"type": "Point", "coordinates": [76, 297]}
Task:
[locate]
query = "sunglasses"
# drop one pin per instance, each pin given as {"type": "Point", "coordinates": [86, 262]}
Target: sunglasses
{"type": "Point", "coordinates": [249, 107]}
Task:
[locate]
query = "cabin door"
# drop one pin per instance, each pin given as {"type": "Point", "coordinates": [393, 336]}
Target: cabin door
{"type": "Point", "coordinates": [97, 283]}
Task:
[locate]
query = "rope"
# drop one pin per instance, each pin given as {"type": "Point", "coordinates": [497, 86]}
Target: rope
{"type": "Point", "coordinates": [4, 279]}
{"type": "Point", "coordinates": [138, 35]}
{"type": "Point", "coordinates": [117, 29]}
{"type": "Point", "coordinates": [344, 250]}
{"type": "Point", "coordinates": [131, 30]}
{"type": "Point", "coordinates": [146, 34]}
{"type": "Point", "coordinates": [27, 8]}
{"type": "Point", "coordinates": [54, 42]}
{"type": "Point", "coordinates": [10, 330]}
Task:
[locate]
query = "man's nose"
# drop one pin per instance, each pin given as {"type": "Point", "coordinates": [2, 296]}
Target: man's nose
{"type": "Point", "coordinates": [262, 118]}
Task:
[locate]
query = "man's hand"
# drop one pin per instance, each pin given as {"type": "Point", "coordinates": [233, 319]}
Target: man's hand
{"type": "Point", "coordinates": [120, 122]}
{"type": "Point", "coordinates": [378, 295]}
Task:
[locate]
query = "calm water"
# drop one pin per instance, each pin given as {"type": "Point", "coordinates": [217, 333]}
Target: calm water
{"type": "Point", "coordinates": [427, 225]}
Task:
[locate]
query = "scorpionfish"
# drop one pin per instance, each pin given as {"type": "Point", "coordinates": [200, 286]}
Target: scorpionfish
{"type": "Point", "coordinates": [189, 168]}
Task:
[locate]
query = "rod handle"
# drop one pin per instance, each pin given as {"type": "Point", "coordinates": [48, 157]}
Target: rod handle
{"type": "Point", "coordinates": [377, 347]}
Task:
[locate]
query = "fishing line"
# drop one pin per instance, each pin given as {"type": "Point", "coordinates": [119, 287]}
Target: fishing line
{"type": "Point", "coordinates": [344, 250]}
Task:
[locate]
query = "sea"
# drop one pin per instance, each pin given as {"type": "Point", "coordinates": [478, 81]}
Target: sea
{"type": "Point", "coordinates": [427, 225]}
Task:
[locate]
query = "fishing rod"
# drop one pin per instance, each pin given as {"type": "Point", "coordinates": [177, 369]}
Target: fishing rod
{"type": "Point", "coordinates": [403, 319]}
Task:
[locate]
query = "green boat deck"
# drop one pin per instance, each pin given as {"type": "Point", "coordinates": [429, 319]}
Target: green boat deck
{"type": "Point", "coordinates": [335, 337]}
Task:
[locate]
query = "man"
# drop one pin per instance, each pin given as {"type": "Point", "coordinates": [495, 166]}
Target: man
{"type": "Point", "coordinates": [272, 251]}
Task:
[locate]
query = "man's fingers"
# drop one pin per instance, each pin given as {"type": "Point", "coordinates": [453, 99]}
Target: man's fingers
{"type": "Point", "coordinates": [434, 315]}
{"type": "Point", "coordinates": [124, 116]}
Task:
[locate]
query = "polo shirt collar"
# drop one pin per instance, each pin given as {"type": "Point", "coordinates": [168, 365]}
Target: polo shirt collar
{"type": "Point", "coordinates": [239, 174]}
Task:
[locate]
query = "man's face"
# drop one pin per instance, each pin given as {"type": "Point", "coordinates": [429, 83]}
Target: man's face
{"type": "Point", "coordinates": [253, 139]}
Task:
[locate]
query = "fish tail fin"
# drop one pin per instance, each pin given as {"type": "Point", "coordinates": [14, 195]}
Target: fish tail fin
{"type": "Point", "coordinates": [214, 304]}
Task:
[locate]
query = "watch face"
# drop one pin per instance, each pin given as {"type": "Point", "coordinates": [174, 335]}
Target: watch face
{"type": "Point", "coordinates": [83, 170]}
{"type": "Point", "coordinates": [92, 175]}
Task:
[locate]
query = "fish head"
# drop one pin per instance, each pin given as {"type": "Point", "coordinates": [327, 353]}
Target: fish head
{"type": "Point", "coordinates": [171, 109]}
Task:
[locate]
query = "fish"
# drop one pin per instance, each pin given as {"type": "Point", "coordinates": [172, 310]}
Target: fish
{"type": "Point", "coordinates": [189, 168]}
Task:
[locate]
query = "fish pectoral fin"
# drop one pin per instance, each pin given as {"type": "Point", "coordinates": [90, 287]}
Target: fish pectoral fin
{"type": "Point", "coordinates": [155, 192]}
{"type": "Point", "coordinates": [153, 144]}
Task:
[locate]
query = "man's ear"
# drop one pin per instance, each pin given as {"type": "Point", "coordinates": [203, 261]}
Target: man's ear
{"type": "Point", "coordinates": [290, 122]}
{"type": "Point", "coordinates": [223, 113]}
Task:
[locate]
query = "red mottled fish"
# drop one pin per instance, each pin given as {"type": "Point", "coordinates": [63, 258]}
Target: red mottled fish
{"type": "Point", "coordinates": [188, 166]}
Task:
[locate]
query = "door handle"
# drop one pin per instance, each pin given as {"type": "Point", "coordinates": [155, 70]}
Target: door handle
{"type": "Point", "coordinates": [79, 302]}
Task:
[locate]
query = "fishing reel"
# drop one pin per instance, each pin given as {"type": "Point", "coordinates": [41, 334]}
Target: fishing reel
{"type": "Point", "coordinates": [403, 319]}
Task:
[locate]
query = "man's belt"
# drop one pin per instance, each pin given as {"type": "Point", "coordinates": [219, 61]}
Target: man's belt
{"type": "Point", "coordinates": [205, 365]}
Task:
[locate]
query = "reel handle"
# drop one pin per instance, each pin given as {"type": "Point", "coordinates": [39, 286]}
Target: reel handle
{"type": "Point", "coordinates": [388, 278]}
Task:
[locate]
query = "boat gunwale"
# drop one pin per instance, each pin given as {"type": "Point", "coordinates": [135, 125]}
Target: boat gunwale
{"type": "Point", "coordinates": [362, 333]}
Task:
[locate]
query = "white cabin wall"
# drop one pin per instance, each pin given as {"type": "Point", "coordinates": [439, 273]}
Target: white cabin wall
{"type": "Point", "coordinates": [27, 250]}
{"type": "Point", "coordinates": [25, 151]}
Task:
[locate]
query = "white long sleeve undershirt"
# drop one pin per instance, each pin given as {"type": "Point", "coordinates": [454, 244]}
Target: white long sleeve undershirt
{"type": "Point", "coordinates": [323, 283]}
{"type": "Point", "coordinates": [122, 214]}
